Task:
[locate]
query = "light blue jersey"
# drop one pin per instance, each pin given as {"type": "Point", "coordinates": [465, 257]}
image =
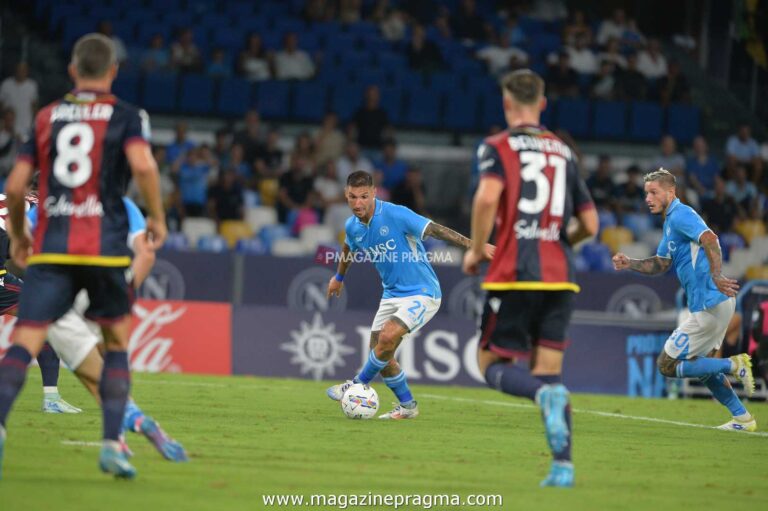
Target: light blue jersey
{"type": "Point", "coordinates": [137, 224]}
{"type": "Point", "coordinates": [392, 241]}
{"type": "Point", "coordinates": [683, 228]}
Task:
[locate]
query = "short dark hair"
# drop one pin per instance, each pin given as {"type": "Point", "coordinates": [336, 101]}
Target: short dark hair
{"type": "Point", "coordinates": [359, 178]}
{"type": "Point", "coordinates": [524, 86]}
{"type": "Point", "coordinates": [662, 176]}
{"type": "Point", "coordinates": [93, 55]}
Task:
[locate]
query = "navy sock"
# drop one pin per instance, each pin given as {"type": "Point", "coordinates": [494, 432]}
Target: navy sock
{"type": "Point", "coordinates": [49, 366]}
{"type": "Point", "coordinates": [13, 372]}
{"type": "Point", "coordinates": [565, 454]}
{"type": "Point", "coordinates": [512, 380]}
{"type": "Point", "coordinates": [113, 389]}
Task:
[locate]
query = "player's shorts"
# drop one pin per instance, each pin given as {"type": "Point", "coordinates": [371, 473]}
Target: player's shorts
{"type": "Point", "coordinates": [72, 336]}
{"type": "Point", "coordinates": [413, 311]}
{"type": "Point", "coordinates": [50, 290]}
{"type": "Point", "coordinates": [10, 288]}
{"type": "Point", "coordinates": [513, 322]}
{"type": "Point", "coordinates": [701, 332]}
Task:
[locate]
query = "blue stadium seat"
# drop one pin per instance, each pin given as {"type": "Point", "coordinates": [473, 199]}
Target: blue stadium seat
{"type": "Point", "coordinates": [273, 99]}
{"type": "Point", "coordinates": [638, 223]}
{"type": "Point", "coordinates": [341, 42]}
{"type": "Point", "coordinates": [392, 61]}
{"type": "Point", "coordinates": [126, 86]}
{"type": "Point", "coordinates": [422, 108]}
{"type": "Point", "coordinates": [375, 44]}
{"type": "Point", "coordinates": [309, 42]}
{"type": "Point", "coordinates": [542, 44]}
{"type": "Point", "coordinates": [62, 11]}
{"type": "Point", "coordinates": [286, 25]}
{"type": "Point", "coordinates": [492, 112]}
{"type": "Point", "coordinates": [405, 78]}
{"type": "Point", "coordinates": [573, 116]}
{"type": "Point", "coordinates": [645, 121]}
{"type": "Point", "coordinates": [730, 241]}
{"type": "Point", "coordinates": [310, 100]}
{"type": "Point", "coordinates": [159, 93]}
{"type": "Point", "coordinates": [443, 82]}
{"type": "Point", "coordinates": [371, 76]}
{"type": "Point", "coordinates": [607, 218]}
{"type": "Point", "coordinates": [355, 59]}
{"type": "Point", "coordinates": [610, 119]}
{"type": "Point", "coordinates": [212, 243]}
{"type": "Point", "coordinates": [346, 99]}
{"type": "Point", "coordinates": [196, 94]}
{"type": "Point", "coordinates": [231, 39]}
{"type": "Point", "coordinates": [147, 30]}
{"type": "Point", "coordinates": [239, 9]}
{"type": "Point", "coordinates": [253, 246]}
{"type": "Point", "coordinates": [597, 256]}
{"type": "Point", "coordinates": [178, 19]}
{"type": "Point", "coordinates": [271, 233]}
{"type": "Point", "coordinates": [392, 102]}
{"type": "Point", "coordinates": [461, 111]}
{"type": "Point", "coordinates": [104, 12]}
{"type": "Point", "coordinates": [234, 96]}
{"type": "Point", "coordinates": [683, 122]}
{"type": "Point", "coordinates": [362, 28]}
{"type": "Point", "coordinates": [73, 28]}
{"type": "Point", "coordinates": [176, 241]}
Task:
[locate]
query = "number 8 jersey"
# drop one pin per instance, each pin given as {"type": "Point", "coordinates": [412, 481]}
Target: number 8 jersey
{"type": "Point", "coordinates": [542, 190]}
{"type": "Point", "coordinates": [78, 143]}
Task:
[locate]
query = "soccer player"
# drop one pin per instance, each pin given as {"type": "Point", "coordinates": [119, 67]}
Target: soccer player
{"type": "Point", "coordinates": [86, 146]}
{"type": "Point", "coordinates": [391, 237]}
{"type": "Point", "coordinates": [530, 187]}
{"type": "Point", "coordinates": [711, 299]}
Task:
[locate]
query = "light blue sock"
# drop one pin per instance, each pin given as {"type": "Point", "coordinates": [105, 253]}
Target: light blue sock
{"type": "Point", "coordinates": [724, 393]}
{"type": "Point", "coordinates": [371, 368]}
{"type": "Point", "coordinates": [132, 414]}
{"type": "Point", "coordinates": [399, 385]}
{"type": "Point", "coordinates": [702, 367]}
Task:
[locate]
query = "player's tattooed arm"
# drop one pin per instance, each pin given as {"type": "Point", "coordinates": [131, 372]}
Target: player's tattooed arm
{"type": "Point", "coordinates": [442, 232]}
{"type": "Point", "coordinates": [711, 246]}
{"type": "Point", "coordinates": [650, 266]}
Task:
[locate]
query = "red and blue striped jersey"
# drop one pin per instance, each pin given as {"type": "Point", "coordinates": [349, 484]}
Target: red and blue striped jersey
{"type": "Point", "coordinates": [79, 143]}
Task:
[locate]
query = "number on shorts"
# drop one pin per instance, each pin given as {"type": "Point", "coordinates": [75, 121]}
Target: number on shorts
{"type": "Point", "coordinates": [73, 146]}
{"type": "Point", "coordinates": [417, 311]}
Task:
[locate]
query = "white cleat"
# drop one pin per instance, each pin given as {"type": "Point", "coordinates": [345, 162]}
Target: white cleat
{"type": "Point", "coordinates": [737, 425]}
{"type": "Point", "coordinates": [336, 392]}
{"type": "Point", "coordinates": [400, 413]}
{"type": "Point", "coordinates": [58, 405]}
{"type": "Point", "coordinates": [743, 372]}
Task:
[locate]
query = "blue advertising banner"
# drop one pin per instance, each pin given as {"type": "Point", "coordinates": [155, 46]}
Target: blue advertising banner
{"type": "Point", "coordinates": [195, 276]}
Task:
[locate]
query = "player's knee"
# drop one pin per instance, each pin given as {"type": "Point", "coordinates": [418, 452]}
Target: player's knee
{"type": "Point", "coordinates": [666, 365]}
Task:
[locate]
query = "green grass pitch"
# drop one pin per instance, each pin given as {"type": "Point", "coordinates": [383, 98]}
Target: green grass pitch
{"type": "Point", "coordinates": [250, 437]}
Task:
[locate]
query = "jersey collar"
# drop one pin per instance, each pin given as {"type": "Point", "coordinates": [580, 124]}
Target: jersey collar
{"type": "Point", "coordinates": [377, 205]}
{"type": "Point", "coordinates": [672, 206]}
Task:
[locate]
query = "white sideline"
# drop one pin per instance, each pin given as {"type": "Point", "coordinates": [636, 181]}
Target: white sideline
{"type": "Point", "coordinates": [591, 412]}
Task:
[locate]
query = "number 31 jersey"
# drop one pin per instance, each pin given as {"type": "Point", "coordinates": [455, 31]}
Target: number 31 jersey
{"type": "Point", "coordinates": [79, 144]}
{"type": "Point", "coordinates": [542, 190]}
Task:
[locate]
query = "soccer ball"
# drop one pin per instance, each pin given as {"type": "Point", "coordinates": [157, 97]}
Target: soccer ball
{"type": "Point", "coordinates": [360, 402]}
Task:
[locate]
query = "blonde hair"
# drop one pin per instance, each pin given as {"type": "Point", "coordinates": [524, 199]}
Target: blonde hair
{"type": "Point", "coordinates": [662, 176]}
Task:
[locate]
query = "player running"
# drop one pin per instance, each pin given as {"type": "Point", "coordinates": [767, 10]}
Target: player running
{"type": "Point", "coordinates": [86, 146]}
{"type": "Point", "coordinates": [710, 296]}
{"type": "Point", "coordinates": [530, 186]}
{"type": "Point", "coordinates": [391, 237]}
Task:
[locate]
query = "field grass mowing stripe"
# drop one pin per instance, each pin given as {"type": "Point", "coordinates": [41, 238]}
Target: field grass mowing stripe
{"type": "Point", "coordinates": [591, 412]}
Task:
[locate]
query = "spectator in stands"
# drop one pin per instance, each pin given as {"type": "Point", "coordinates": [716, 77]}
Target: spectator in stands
{"type": "Point", "coordinates": [651, 62]}
{"type": "Point", "coordinates": [498, 55]}
{"type": "Point", "coordinates": [702, 167]}
{"type": "Point", "coordinates": [194, 171]}
{"type": "Point", "coordinates": [222, 142]}
{"type": "Point", "coordinates": [105, 28]}
{"type": "Point", "coordinates": [251, 136]}
{"type": "Point", "coordinates": [720, 210]}
{"type": "Point", "coordinates": [466, 23]}
{"type": "Point", "coordinates": [423, 54]}
{"type": "Point", "coordinates": [167, 186]}
{"type": "Point", "coordinates": [631, 83]}
{"type": "Point", "coordinates": [304, 148]}
{"type": "Point", "coordinates": [612, 54]}
{"type": "Point", "coordinates": [410, 191]}
{"type": "Point", "coordinates": [296, 190]}
{"type": "Point", "coordinates": [600, 183]}
{"type": "Point", "coordinates": [253, 63]}
{"type": "Point", "coordinates": [513, 32]}
{"type": "Point", "coordinates": [19, 93]}
{"type": "Point", "coordinates": [562, 80]}
{"type": "Point", "coordinates": [577, 27]}
{"type": "Point", "coordinates": [582, 59]}
{"type": "Point", "coordinates": [8, 145]}
{"type": "Point", "coordinates": [329, 140]}
{"type": "Point", "coordinates": [670, 158]}
{"type": "Point", "coordinates": [630, 196]}
{"type": "Point", "coordinates": [236, 163]}
{"type": "Point", "coordinates": [674, 87]}
{"type": "Point", "coordinates": [604, 82]}
{"type": "Point", "coordinates": [177, 150]}
{"type": "Point", "coordinates": [350, 11]}
{"type": "Point", "coordinates": [613, 27]}
{"type": "Point", "coordinates": [156, 57]}
{"type": "Point", "coordinates": [443, 26]}
{"type": "Point", "coordinates": [351, 161]}
{"type": "Point", "coordinates": [225, 198]}
{"type": "Point", "coordinates": [392, 167]}
{"type": "Point", "coordinates": [633, 39]}
{"type": "Point", "coordinates": [742, 149]}
{"type": "Point", "coordinates": [548, 10]}
{"type": "Point", "coordinates": [219, 67]}
{"type": "Point", "coordinates": [393, 26]}
{"type": "Point", "coordinates": [185, 55]}
{"type": "Point", "coordinates": [382, 193]}
{"type": "Point", "coordinates": [741, 189]}
{"type": "Point", "coordinates": [329, 190]}
{"type": "Point", "coordinates": [270, 163]}
{"type": "Point", "coordinates": [371, 121]}
{"type": "Point", "coordinates": [316, 11]}
{"type": "Point", "coordinates": [422, 11]}
{"type": "Point", "coordinates": [293, 63]}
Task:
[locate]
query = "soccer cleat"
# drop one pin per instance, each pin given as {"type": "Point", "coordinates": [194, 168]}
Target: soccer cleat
{"type": "Point", "coordinates": [58, 405]}
{"type": "Point", "coordinates": [2, 447]}
{"type": "Point", "coordinates": [553, 399]}
{"type": "Point", "coordinates": [737, 425]}
{"type": "Point", "coordinates": [400, 412]}
{"type": "Point", "coordinates": [169, 448]}
{"type": "Point", "coordinates": [561, 475]}
{"type": "Point", "coordinates": [112, 460]}
{"type": "Point", "coordinates": [743, 372]}
{"type": "Point", "coordinates": [336, 392]}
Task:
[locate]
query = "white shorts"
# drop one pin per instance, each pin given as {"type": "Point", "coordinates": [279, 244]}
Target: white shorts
{"type": "Point", "coordinates": [72, 336]}
{"type": "Point", "coordinates": [413, 311]}
{"type": "Point", "coordinates": [701, 332]}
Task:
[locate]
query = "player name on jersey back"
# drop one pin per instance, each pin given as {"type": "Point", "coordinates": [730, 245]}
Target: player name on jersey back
{"type": "Point", "coordinates": [69, 112]}
{"type": "Point", "coordinates": [541, 144]}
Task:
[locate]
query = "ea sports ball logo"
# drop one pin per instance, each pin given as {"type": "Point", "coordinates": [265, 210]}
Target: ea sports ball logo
{"type": "Point", "coordinates": [317, 348]}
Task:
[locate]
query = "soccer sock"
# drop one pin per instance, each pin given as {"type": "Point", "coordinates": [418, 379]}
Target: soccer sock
{"type": "Point", "coordinates": [724, 393]}
{"type": "Point", "coordinates": [371, 368]}
{"type": "Point", "coordinates": [702, 367]}
{"type": "Point", "coordinates": [114, 388]}
{"type": "Point", "coordinates": [133, 417]}
{"type": "Point", "coordinates": [565, 454]}
{"type": "Point", "coordinates": [49, 367]}
{"type": "Point", "coordinates": [512, 380]}
{"type": "Point", "coordinates": [399, 385]}
{"type": "Point", "coordinates": [13, 372]}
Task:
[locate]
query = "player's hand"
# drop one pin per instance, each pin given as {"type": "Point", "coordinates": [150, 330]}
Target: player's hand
{"type": "Point", "coordinates": [728, 287]}
{"type": "Point", "coordinates": [620, 262]}
{"type": "Point", "coordinates": [489, 251]}
{"type": "Point", "coordinates": [21, 249]}
{"type": "Point", "coordinates": [472, 260]}
{"type": "Point", "coordinates": [156, 233]}
{"type": "Point", "coordinates": [334, 287]}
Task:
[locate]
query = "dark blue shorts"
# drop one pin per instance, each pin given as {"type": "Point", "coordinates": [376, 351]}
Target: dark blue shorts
{"type": "Point", "coordinates": [50, 290]}
{"type": "Point", "coordinates": [10, 288]}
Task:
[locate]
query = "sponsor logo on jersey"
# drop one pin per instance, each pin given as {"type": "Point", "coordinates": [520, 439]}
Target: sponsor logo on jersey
{"type": "Point", "coordinates": [533, 231]}
{"type": "Point", "coordinates": [61, 206]}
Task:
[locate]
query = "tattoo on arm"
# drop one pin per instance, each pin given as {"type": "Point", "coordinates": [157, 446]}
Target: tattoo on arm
{"type": "Point", "coordinates": [650, 266]}
{"type": "Point", "coordinates": [714, 255]}
{"type": "Point", "coordinates": [441, 232]}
